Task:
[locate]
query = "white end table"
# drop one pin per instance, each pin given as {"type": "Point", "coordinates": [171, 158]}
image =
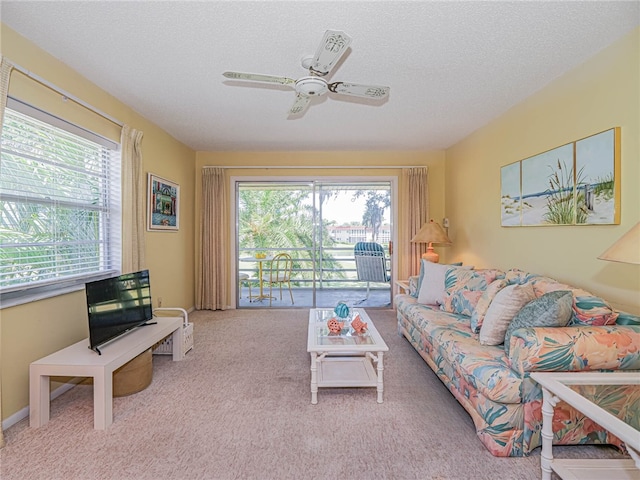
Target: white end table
{"type": "Point", "coordinates": [555, 387]}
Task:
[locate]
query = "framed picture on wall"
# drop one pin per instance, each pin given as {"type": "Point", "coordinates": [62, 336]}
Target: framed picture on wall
{"type": "Point", "coordinates": [163, 202]}
{"type": "Point", "coordinates": [574, 184]}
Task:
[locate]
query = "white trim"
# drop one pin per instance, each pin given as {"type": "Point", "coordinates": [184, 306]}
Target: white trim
{"type": "Point", "coordinates": [66, 95]}
{"type": "Point", "coordinates": [23, 413]}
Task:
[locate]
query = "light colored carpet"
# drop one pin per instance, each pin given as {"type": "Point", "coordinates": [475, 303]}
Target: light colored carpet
{"type": "Point", "coordinates": [239, 407]}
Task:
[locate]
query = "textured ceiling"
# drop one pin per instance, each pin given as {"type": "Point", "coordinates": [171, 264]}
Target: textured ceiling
{"type": "Point", "coordinates": [452, 66]}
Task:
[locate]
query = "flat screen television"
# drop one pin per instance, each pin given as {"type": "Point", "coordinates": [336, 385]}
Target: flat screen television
{"type": "Point", "coordinates": [117, 305]}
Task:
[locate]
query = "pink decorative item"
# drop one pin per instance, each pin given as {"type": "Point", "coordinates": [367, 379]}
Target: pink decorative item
{"type": "Point", "coordinates": [334, 325]}
{"type": "Point", "coordinates": [358, 325]}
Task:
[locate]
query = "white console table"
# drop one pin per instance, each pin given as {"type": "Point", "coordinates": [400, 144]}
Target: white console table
{"type": "Point", "coordinates": [78, 360]}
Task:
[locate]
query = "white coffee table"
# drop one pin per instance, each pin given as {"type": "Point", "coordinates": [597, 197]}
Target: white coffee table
{"type": "Point", "coordinates": [346, 359]}
{"type": "Point", "coordinates": [570, 387]}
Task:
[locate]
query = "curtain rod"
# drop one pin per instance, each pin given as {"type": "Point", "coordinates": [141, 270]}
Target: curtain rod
{"type": "Point", "coordinates": [268, 167]}
{"type": "Point", "coordinates": [66, 95]}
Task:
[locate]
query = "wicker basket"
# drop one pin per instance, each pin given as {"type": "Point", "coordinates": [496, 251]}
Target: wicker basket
{"type": "Point", "coordinates": [165, 347]}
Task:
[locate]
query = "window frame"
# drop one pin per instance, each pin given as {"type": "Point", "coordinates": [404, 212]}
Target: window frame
{"type": "Point", "coordinates": [20, 294]}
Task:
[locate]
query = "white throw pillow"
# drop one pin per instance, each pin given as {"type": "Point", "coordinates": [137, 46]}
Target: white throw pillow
{"type": "Point", "coordinates": [504, 306]}
{"type": "Point", "coordinates": [432, 287]}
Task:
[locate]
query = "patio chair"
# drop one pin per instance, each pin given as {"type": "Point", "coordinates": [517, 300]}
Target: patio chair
{"type": "Point", "coordinates": [242, 279]}
{"type": "Point", "coordinates": [371, 263]}
{"type": "Point", "coordinates": [279, 274]}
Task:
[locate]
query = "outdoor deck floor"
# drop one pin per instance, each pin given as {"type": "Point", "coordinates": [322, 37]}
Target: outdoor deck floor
{"type": "Point", "coordinates": [325, 298]}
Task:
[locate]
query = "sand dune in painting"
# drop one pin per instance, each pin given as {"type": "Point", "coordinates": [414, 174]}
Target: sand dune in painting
{"type": "Point", "coordinates": [534, 209]}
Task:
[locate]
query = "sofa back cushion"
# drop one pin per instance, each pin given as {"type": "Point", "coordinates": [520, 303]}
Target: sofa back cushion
{"type": "Point", "coordinates": [463, 288]}
{"type": "Point", "coordinates": [587, 308]}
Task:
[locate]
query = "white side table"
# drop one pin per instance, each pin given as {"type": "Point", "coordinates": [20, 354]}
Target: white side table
{"type": "Point", "coordinates": [555, 387]}
{"type": "Point", "coordinates": [402, 286]}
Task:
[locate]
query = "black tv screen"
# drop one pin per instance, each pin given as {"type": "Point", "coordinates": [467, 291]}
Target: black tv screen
{"type": "Point", "coordinates": [117, 305]}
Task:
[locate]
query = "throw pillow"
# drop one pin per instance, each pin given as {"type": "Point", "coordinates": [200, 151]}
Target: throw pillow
{"type": "Point", "coordinates": [504, 307]}
{"type": "Point", "coordinates": [463, 289]}
{"type": "Point", "coordinates": [477, 317]}
{"type": "Point", "coordinates": [421, 275]}
{"type": "Point", "coordinates": [553, 309]}
{"type": "Point", "coordinates": [431, 291]}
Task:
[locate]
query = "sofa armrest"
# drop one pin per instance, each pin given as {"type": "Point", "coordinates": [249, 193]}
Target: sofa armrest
{"type": "Point", "coordinates": [575, 348]}
{"type": "Point", "coordinates": [413, 285]}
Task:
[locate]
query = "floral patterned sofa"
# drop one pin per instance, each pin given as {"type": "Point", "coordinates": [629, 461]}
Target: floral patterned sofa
{"type": "Point", "coordinates": [494, 387]}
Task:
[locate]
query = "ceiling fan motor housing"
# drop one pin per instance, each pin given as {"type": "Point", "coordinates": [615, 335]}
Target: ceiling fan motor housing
{"type": "Point", "coordinates": [311, 86]}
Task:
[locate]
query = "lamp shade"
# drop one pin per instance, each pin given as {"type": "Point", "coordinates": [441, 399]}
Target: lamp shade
{"type": "Point", "coordinates": [626, 249]}
{"type": "Point", "coordinates": [431, 232]}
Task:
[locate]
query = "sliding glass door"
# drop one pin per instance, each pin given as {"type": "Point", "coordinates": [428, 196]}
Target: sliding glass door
{"type": "Point", "coordinates": [318, 224]}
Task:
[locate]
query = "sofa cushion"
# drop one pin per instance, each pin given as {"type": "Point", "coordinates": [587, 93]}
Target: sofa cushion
{"type": "Point", "coordinates": [484, 367]}
{"type": "Point", "coordinates": [504, 307]}
{"type": "Point", "coordinates": [553, 309]}
{"type": "Point", "coordinates": [463, 288]}
{"type": "Point", "coordinates": [477, 317]}
{"type": "Point", "coordinates": [447, 338]}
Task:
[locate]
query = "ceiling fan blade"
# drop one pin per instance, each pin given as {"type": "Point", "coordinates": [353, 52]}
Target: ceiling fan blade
{"type": "Point", "coordinates": [334, 44]}
{"type": "Point", "coordinates": [367, 91]}
{"type": "Point", "coordinates": [300, 105]}
{"type": "Point", "coordinates": [255, 77]}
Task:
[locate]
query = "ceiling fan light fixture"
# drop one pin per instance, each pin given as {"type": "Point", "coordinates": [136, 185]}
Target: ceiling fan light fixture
{"type": "Point", "coordinates": [311, 86]}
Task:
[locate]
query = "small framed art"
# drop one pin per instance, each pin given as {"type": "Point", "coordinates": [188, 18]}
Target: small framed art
{"type": "Point", "coordinates": [163, 202]}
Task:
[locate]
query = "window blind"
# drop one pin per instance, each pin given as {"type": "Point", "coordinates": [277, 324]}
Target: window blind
{"type": "Point", "coordinates": [60, 211]}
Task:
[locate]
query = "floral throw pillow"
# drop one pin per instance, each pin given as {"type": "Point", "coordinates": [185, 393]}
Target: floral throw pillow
{"type": "Point", "coordinates": [477, 317]}
{"type": "Point", "coordinates": [463, 289]}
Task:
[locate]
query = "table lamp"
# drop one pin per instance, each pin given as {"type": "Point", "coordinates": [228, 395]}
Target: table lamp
{"type": "Point", "coordinates": [431, 233]}
{"type": "Point", "coordinates": [626, 249]}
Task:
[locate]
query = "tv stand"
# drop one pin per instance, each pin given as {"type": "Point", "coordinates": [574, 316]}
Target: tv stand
{"type": "Point", "coordinates": [79, 361]}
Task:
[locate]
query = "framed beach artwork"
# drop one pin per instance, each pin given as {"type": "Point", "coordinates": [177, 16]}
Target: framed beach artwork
{"type": "Point", "coordinates": [163, 201]}
{"type": "Point", "coordinates": [575, 184]}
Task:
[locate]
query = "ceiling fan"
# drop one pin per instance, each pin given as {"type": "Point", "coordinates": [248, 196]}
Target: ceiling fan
{"type": "Point", "coordinates": [333, 46]}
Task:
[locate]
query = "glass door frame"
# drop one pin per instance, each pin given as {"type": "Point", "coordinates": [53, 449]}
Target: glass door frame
{"type": "Point", "coordinates": [302, 179]}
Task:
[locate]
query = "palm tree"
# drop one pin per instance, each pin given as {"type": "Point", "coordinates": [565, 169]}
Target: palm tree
{"type": "Point", "coordinates": [281, 219]}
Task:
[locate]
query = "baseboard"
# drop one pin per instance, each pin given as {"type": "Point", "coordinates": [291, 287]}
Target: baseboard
{"type": "Point", "coordinates": [24, 413]}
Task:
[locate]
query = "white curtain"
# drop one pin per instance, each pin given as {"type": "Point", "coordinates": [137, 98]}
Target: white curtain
{"type": "Point", "coordinates": [5, 72]}
{"type": "Point", "coordinates": [416, 215]}
{"type": "Point", "coordinates": [133, 208]}
{"type": "Point", "coordinates": [211, 293]}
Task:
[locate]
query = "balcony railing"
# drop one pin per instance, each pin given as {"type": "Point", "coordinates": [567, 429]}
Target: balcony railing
{"type": "Point", "coordinates": [342, 274]}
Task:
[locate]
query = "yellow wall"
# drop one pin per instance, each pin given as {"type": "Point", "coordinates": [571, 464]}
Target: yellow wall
{"type": "Point", "coordinates": [31, 331]}
{"type": "Point", "coordinates": [359, 160]}
{"type": "Point", "coordinates": [602, 93]}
